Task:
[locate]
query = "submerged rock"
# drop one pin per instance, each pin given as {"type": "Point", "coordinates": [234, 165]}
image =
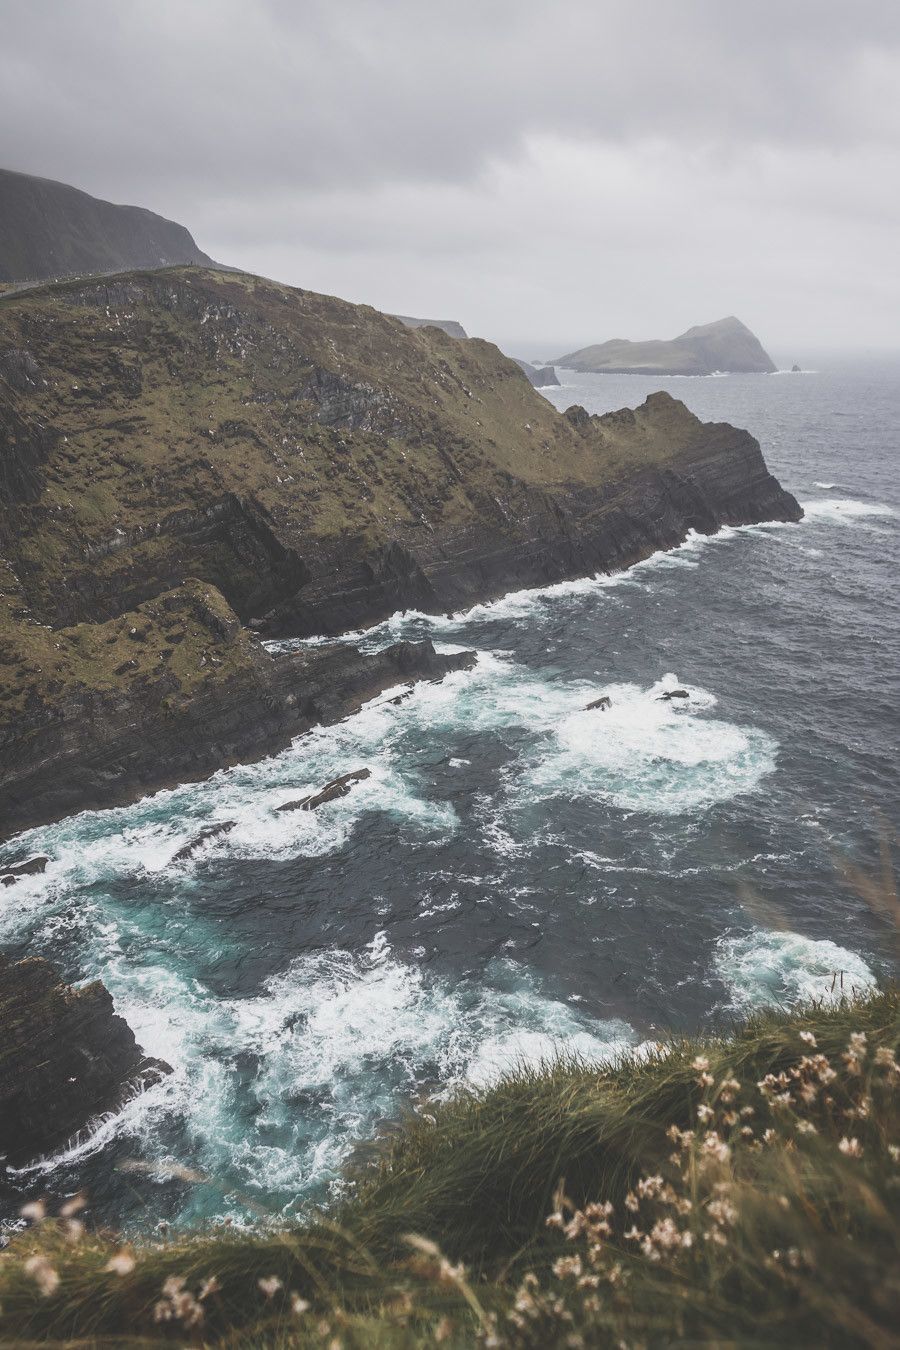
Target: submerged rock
{"type": "Point", "coordinates": [338, 787]}
{"type": "Point", "coordinates": [65, 1059]}
{"type": "Point", "coordinates": [399, 698]}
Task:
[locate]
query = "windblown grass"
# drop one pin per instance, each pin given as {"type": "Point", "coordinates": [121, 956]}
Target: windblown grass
{"type": "Point", "coordinates": [741, 1191]}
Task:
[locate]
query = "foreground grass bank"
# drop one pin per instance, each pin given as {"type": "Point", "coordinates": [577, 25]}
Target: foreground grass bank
{"type": "Point", "coordinates": [743, 1191]}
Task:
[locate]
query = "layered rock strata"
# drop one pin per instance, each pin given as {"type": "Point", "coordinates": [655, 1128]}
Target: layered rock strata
{"type": "Point", "coordinates": [66, 1060]}
{"type": "Point", "coordinates": [199, 693]}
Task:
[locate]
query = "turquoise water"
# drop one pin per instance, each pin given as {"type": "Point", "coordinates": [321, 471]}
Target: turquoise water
{"type": "Point", "coordinates": [518, 876]}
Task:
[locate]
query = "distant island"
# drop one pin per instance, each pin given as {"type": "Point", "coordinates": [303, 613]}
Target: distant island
{"type": "Point", "coordinates": [50, 231]}
{"type": "Point", "coordinates": [724, 345]}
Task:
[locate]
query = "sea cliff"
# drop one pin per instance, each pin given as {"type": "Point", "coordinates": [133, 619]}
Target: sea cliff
{"type": "Point", "coordinates": [189, 459]}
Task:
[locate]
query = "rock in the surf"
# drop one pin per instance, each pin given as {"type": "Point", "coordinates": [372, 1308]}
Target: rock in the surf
{"type": "Point", "coordinates": [211, 832]}
{"type": "Point", "coordinates": [601, 703]}
{"type": "Point", "coordinates": [398, 698]}
{"type": "Point", "coordinates": [66, 1059]}
{"type": "Point", "coordinates": [338, 787]}
{"type": "Point", "coordinates": [673, 693]}
{"type": "Point", "coordinates": [29, 868]}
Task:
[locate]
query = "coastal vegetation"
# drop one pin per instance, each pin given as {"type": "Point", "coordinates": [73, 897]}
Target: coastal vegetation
{"type": "Point", "coordinates": [740, 1190]}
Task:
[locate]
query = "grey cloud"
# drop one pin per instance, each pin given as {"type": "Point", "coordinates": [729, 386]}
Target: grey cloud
{"type": "Point", "coordinates": [231, 92]}
{"type": "Point", "coordinates": [396, 150]}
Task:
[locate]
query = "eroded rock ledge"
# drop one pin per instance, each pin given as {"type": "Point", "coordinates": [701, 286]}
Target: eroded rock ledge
{"type": "Point", "coordinates": [66, 1060]}
{"type": "Point", "coordinates": [194, 692]}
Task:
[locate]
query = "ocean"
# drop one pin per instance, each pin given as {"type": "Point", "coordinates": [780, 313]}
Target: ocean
{"type": "Point", "coordinates": [519, 877]}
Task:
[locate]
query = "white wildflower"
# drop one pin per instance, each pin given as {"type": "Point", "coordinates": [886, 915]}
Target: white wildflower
{"type": "Point", "coordinates": [120, 1263]}
{"type": "Point", "coordinates": [43, 1273]}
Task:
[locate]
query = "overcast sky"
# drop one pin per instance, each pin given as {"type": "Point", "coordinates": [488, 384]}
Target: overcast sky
{"type": "Point", "coordinates": [551, 174]}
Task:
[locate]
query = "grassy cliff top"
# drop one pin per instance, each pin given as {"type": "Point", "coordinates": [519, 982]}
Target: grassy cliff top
{"type": "Point", "coordinates": [169, 647]}
{"type": "Point", "coordinates": [286, 449]}
{"type": "Point", "coordinates": [189, 422]}
{"type": "Point", "coordinates": [162, 392]}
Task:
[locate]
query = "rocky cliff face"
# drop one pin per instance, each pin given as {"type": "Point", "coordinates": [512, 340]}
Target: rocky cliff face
{"type": "Point", "coordinates": [314, 466]}
{"type": "Point", "coordinates": [539, 376]}
{"type": "Point", "coordinates": [49, 230]}
{"type": "Point", "coordinates": [726, 344]}
{"type": "Point", "coordinates": [449, 326]}
{"type": "Point", "coordinates": [170, 693]}
{"type": "Point", "coordinates": [65, 1060]}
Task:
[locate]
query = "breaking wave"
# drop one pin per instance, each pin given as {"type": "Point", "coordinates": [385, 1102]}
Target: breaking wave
{"type": "Point", "coordinates": [844, 510]}
{"type": "Point", "coordinates": [273, 1091]}
{"type": "Point", "coordinates": [783, 968]}
{"type": "Point", "coordinates": [647, 752]}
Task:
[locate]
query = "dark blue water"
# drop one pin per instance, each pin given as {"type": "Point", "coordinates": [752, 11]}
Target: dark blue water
{"type": "Point", "coordinates": [518, 876]}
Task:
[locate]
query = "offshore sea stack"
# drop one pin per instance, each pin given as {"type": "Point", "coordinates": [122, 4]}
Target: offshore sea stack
{"type": "Point", "coordinates": [191, 460]}
{"type": "Point", "coordinates": [66, 1060]}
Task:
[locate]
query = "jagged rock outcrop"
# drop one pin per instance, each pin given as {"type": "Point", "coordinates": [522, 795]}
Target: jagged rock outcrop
{"type": "Point", "coordinates": [726, 344]}
{"type": "Point", "coordinates": [539, 376]}
{"type": "Point", "coordinates": [65, 1060]}
{"type": "Point", "coordinates": [12, 872]}
{"type": "Point", "coordinates": [50, 230]}
{"type": "Point", "coordinates": [693, 476]}
{"type": "Point", "coordinates": [331, 792]}
{"type": "Point", "coordinates": [188, 850]}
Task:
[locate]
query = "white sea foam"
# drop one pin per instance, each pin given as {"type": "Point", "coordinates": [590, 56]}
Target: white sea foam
{"type": "Point", "coordinates": [844, 510]}
{"type": "Point", "coordinates": [332, 1045]}
{"type": "Point", "coordinates": [526, 1031]}
{"type": "Point", "coordinates": [645, 753]}
{"type": "Point", "coordinates": [143, 839]}
{"type": "Point", "coordinates": [828, 487]}
{"type": "Point", "coordinates": [785, 968]}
